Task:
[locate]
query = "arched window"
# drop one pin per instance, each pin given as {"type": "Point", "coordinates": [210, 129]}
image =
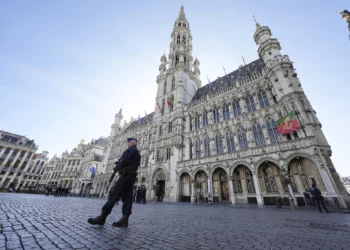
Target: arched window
{"type": "Point", "coordinates": [184, 39]}
{"type": "Point", "coordinates": [237, 184]}
{"type": "Point", "coordinates": [198, 148]}
{"type": "Point", "coordinates": [190, 149]}
{"type": "Point", "coordinates": [185, 60]}
{"type": "Point", "coordinates": [269, 179]}
{"type": "Point", "coordinates": [197, 123]}
{"type": "Point", "coordinates": [207, 146]}
{"type": "Point", "coordinates": [273, 132]}
{"type": "Point", "coordinates": [264, 102]}
{"type": "Point", "coordinates": [165, 85]}
{"type": "Point", "coordinates": [205, 119]}
{"type": "Point", "coordinates": [178, 39]}
{"type": "Point", "coordinates": [219, 146]}
{"type": "Point", "coordinates": [242, 138]}
{"type": "Point", "coordinates": [249, 181]}
{"type": "Point", "coordinates": [171, 103]}
{"type": "Point", "coordinates": [216, 115]}
{"type": "Point", "coordinates": [184, 25]}
{"type": "Point", "coordinates": [163, 105]}
{"type": "Point", "coordinates": [236, 108]}
{"type": "Point", "coordinates": [225, 112]}
{"type": "Point", "coordinates": [258, 135]}
{"type": "Point", "coordinates": [230, 141]}
{"type": "Point", "coordinates": [170, 127]}
{"type": "Point", "coordinates": [176, 59]}
{"type": "Point", "coordinates": [173, 84]}
{"type": "Point", "coordinates": [179, 24]}
{"type": "Point", "coordinates": [250, 103]}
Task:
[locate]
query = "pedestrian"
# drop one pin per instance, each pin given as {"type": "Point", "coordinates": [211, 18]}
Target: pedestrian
{"type": "Point", "coordinates": [66, 191]}
{"type": "Point", "coordinates": [143, 195]}
{"type": "Point", "coordinates": [127, 167]}
{"type": "Point", "coordinates": [138, 195]}
{"type": "Point", "coordinates": [319, 199]}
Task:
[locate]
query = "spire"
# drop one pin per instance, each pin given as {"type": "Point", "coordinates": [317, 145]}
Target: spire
{"type": "Point", "coordinates": [256, 23]}
{"type": "Point", "coordinates": [182, 14]}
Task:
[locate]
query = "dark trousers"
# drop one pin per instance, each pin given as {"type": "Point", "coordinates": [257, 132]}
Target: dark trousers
{"type": "Point", "coordinates": [320, 202]}
{"type": "Point", "coordinates": [123, 186]}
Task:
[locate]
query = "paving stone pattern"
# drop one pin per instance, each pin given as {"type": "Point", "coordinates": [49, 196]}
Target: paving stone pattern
{"type": "Point", "coordinates": [40, 222]}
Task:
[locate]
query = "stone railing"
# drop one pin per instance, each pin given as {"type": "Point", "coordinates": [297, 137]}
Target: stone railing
{"type": "Point", "coordinates": [270, 148]}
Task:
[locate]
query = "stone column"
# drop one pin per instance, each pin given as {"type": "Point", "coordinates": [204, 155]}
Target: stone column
{"type": "Point", "coordinates": [232, 194]}
{"type": "Point", "coordinates": [270, 97]}
{"type": "Point", "coordinates": [193, 192]}
{"type": "Point", "coordinates": [259, 197]}
{"type": "Point", "coordinates": [256, 101]}
{"type": "Point", "coordinates": [291, 193]}
{"type": "Point", "coordinates": [2, 151]}
{"type": "Point", "coordinates": [210, 189]}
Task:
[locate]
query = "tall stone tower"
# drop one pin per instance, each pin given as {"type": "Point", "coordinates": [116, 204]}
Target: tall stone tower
{"type": "Point", "coordinates": [178, 81]}
{"type": "Point", "coordinates": [287, 90]}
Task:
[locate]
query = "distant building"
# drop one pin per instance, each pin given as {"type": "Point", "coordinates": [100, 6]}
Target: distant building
{"type": "Point", "coordinates": [16, 153]}
{"type": "Point", "coordinates": [35, 171]}
{"type": "Point", "coordinates": [346, 182]}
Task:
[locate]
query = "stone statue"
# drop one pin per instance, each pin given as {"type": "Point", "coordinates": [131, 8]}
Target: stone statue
{"type": "Point", "coordinates": [346, 15]}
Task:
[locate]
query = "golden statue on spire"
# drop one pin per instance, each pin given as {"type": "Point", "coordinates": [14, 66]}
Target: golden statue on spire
{"type": "Point", "coordinates": [346, 15]}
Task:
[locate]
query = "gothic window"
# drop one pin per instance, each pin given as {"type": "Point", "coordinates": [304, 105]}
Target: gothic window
{"type": "Point", "coordinates": [168, 153]}
{"type": "Point", "coordinates": [250, 103]}
{"type": "Point", "coordinates": [176, 59]}
{"type": "Point", "coordinates": [302, 174]}
{"type": "Point", "coordinates": [249, 181]}
{"type": "Point", "coordinates": [185, 60]}
{"type": "Point", "coordinates": [179, 24]}
{"type": "Point", "coordinates": [236, 108]}
{"type": "Point", "coordinates": [171, 103]}
{"type": "Point", "coordinates": [198, 148]}
{"type": "Point", "coordinates": [207, 146]}
{"type": "Point", "coordinates": [149, 138]}
{"type": "Point", "coordinates": [191, 124]}
{"type": "Point", "coordinates": [184, 39]}
{"type": "Point", "coordinates": [264, 102]}
{"type": "Point", "coordinates": [205, 119]}
{"type": "Point", "coordinates": [158, 156]}
{"type": "Point", "coordinates": [295, 135]}
{"type": "Point", "coordinates": [258, 135]}
{"type": "Point", "coordinates": [173, 84]}
{"type": "Point", "coordinates": [160, 130]}
{"type": "Point", "coordinates": [230, 141]}
{"type": "Point", "coordinates": [237, 184]}
{"type": "Point", "coordinates": [197, 123]}
{"type": "Point", "coordinates": [184, 25]}
{"type": "Point", "coordinates": [165, 85]}
{"type": "Point", "coordinates": [272, 129]}
{"type": "Point", "coordinates": [216, 115]}
{"type": "Point", "coordinates": [190, 149]}
{"type": "Point", "coordinates": [242, 138]}
{"type": "Point", "coordinates": [269, 179]}
{"type": "Point", "coordinates": [219, 146]}
{"type": "Point", "coordinates": [178, 39]}
{"type": "Point", "coordinates": [163, 106]}
{"type": "Point", "coordinates": [170, 127]}
{"type": "Point", "coordinates": [225, 112]}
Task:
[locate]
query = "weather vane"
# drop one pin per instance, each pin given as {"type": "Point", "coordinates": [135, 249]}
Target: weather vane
{"type": "Point", "coordinates": [346, 15]}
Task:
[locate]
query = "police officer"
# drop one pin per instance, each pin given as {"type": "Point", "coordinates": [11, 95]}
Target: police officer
{"type": "Point", "coordinates": [127, 167]}
{"type": "Point", "coordinates": [319, 199]}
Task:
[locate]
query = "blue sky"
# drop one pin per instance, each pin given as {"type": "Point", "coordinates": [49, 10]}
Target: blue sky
{"type": "Point", "coordinates": [66, 67]}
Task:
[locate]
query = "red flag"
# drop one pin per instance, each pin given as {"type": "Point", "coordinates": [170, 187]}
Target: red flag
{"type": "Point", "coordinates": [288, 124]}
{"type": "Point", "coordinates": [159, 106]}
{"type": "Point", "coordinates": [168, 102]}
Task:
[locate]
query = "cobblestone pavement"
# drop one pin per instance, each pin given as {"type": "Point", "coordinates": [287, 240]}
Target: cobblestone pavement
{"type": "Point", "coordinates": [39, 222]}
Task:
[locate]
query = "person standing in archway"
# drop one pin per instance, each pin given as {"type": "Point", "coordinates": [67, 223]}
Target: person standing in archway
{"type": "Point", "coordinates": [127, 167]}
{"type": "Point", "coordinates": [319, 199]}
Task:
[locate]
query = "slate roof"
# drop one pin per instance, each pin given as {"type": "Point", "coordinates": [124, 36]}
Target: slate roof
{"type": "Point", "coordinates": [227, 80]}
{"type": "Point", "coordinates": [144, 120]}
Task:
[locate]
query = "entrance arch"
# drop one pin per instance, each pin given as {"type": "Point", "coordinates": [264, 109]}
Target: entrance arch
{"type": "Point", "coordinates": [201, 185]}
{"type": "Point", "coordinates": [243, 185]}
{"type": "Point", "coordinates": [270, 182]}
{"type": "Point", "coordinates": [220, 185]}
{"type": "Point", "coordinates": [185, 185]}
{"type": "Point", "coordinates": [159, 184]}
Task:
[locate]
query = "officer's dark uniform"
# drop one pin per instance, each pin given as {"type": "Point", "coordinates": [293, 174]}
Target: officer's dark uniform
{"type": "Point", "coordinates": [127, 167]}
{"type": "Point", "coordinates": [319, 199]}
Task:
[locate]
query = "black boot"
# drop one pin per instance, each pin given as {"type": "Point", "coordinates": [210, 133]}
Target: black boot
{"type": "Point", "coordinates": [100, 220]}
{"type": "Point", "coordinates": [123, 222]}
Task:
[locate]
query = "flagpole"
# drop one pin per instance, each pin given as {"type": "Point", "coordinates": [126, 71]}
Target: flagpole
{"type": "Point", "coordinates": [296, 114]}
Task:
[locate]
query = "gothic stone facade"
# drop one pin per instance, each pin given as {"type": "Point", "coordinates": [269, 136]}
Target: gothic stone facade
{"type": "Point", "coordinates": [220, 140]}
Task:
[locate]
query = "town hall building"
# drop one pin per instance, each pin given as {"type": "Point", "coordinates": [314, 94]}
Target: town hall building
{"type": "Point", "coordinates": [220, 142]}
